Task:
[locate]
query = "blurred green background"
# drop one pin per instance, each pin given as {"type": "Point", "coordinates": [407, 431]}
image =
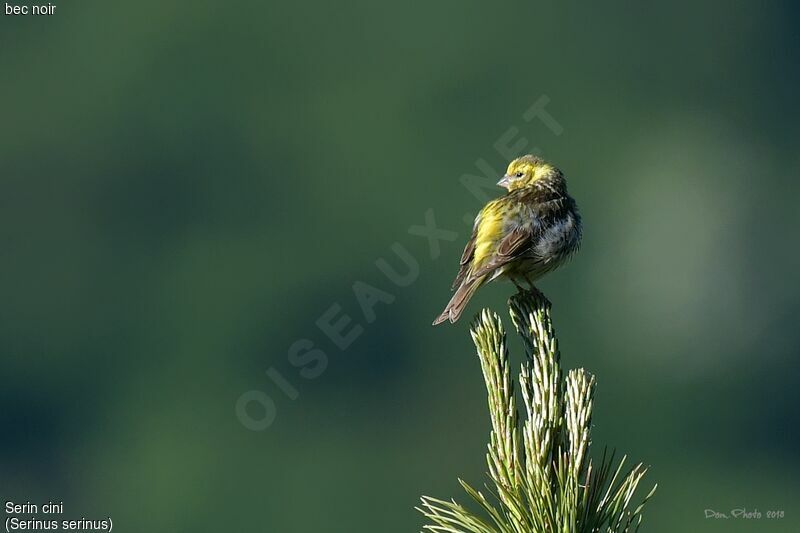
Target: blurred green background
{"type": "Point", "coordinates": [186, 188]}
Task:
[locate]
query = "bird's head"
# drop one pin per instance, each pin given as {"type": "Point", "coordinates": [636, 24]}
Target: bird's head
{"type": "Point", "coordinates": [525, 171]}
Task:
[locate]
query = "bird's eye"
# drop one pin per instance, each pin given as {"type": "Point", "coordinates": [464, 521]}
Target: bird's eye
{"type": "Point", "coordinates": [519, 174]}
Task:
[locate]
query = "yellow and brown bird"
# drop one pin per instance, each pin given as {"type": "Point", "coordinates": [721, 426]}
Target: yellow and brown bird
{"type": "Point", "coordinates": [531, 230]}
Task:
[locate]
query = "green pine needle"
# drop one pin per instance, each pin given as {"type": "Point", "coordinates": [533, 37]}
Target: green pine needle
{"type": "Point", "coordinates": [542, 476]}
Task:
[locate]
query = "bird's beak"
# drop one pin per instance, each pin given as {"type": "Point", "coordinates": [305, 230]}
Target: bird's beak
{"type": "Point", "coordinates": [505, 182]}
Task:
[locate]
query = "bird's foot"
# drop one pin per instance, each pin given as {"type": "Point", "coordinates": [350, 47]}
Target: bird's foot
{"type": "Point", "coordinates": [533, 296]}
{"type": "Point", "coordinates": [534, 291]}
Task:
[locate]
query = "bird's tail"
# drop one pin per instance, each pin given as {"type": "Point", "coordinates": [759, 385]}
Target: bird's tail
{"type": "Point", "coordinates": [459, 300]}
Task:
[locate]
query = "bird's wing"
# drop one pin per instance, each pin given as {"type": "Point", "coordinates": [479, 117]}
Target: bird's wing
{"type": "Point", "coordinates": [512, 247]}
{"type": "Point", "coordinates": [466, 257]}
{"type": "Point", "coordinates": [514, 242]}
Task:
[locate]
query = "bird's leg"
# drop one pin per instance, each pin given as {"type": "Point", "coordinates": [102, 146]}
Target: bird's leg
{"type": "Point", "coordinates": [517, 285]}
{"type": "Point", "coordinates": [530, 284]}
{"type": "Point", "coordinates": [536, 292]}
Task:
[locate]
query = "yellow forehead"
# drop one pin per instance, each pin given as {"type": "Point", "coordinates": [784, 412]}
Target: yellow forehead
{"type": "Point", "coordinates": [522, 165]}
{"type": "Point", "coordinates": [533, 168]}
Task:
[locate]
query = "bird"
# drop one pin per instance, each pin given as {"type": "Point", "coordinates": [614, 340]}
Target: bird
{"type": "Point", "coordinates": [531, 230]}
